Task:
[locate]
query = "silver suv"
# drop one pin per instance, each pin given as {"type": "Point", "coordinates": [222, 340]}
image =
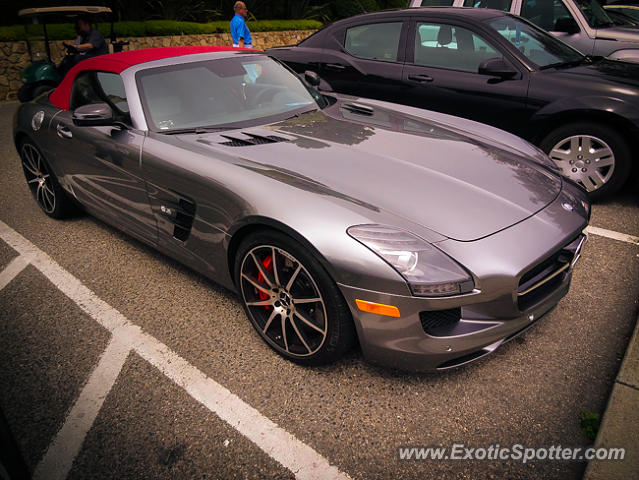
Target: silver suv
{"type": "Point", "coordinates": [584, 24]}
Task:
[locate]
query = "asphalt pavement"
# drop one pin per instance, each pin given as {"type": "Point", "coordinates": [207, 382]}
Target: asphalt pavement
{"type": "Point", "coordinates": [197, 394]}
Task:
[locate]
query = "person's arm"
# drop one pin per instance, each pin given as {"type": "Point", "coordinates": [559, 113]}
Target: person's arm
{"type": "Point", "coordinates": [83, 47]}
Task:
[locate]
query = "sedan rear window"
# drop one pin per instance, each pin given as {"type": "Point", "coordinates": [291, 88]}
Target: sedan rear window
{"type": "Point", "coordinates": [377, 41]}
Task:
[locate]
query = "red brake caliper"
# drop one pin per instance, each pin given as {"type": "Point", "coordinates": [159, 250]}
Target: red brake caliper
{"type": "Point", "coordinates": [268, 265]}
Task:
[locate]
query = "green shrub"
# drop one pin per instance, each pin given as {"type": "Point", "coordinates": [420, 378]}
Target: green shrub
{"type": "Point", "coordinates": [393, 3]}
{"type": "Point", "coordinates": [156, 28]}
{"type": "Point", "coordinates": [11, 33]}
{"type": "Point", "coordinates": [348, 8]}
{"type": "Point", "coordinates": [589, 424]}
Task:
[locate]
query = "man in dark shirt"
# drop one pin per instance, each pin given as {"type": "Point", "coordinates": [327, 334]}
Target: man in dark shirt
{"type": "Point", "coordinates": [90, 43]}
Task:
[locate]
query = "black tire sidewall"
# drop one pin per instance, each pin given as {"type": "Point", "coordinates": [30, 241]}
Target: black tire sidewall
{"type": "Point", "coordinates": [341, 332]}
{"type": "Point", "coordinates": [616, 141]}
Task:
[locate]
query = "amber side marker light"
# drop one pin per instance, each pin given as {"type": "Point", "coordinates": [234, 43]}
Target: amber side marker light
{"type": "Point", "coordinates": [378, 308]}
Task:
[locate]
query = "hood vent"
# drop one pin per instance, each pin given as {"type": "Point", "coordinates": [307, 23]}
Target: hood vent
{"type": "Point", "coordinates": [252, 140]}
{"type": "Point", "coordinates": [358, 108]}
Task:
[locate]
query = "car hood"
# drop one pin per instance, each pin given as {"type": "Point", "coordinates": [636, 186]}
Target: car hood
{"type": "Point", "coordinates": [604, 70]}
{"type": "Point", "coordinates": [460, 186]}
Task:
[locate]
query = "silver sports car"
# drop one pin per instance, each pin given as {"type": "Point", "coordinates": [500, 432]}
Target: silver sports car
{"type": "Point", "coordinates": [429, 239]}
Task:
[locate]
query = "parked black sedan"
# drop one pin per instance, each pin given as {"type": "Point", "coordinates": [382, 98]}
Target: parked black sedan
{"type": "Point", "coordinates": [492, 67]}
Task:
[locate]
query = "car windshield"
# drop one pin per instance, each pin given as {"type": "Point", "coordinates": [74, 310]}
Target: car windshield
{"type": "Point", "coordinates": [536, 45]}
{"type": "Point", "coordinates": [241, 91]}
{"type": "Point", "coordinates": [594, 13]}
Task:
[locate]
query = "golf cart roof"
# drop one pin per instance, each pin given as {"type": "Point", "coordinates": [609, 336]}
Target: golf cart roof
{"type": "Point", "coordinates": [73, 10]}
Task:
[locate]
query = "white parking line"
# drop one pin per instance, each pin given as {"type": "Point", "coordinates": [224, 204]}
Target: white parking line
{"type": "Point", "coordinates": [12, 270]}
{"type": "Point", "coordinates": [622, 237]}
{"type": "Point", "coordinates": [58, 459]}
{"type": "Point", "coordinates": [302, 460]}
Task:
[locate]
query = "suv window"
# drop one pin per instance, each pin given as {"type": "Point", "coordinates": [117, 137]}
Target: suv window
{"type": "Point", "coordinates": [96, 87]}
{"type": "Point", "coordinates": [448, 46]}
{"type": "Point", "coordinates": [377, 41]}
{"type": "Point", "coordinates": [503, 5]}
{"type": "Point", "coordinates": [544, 13]}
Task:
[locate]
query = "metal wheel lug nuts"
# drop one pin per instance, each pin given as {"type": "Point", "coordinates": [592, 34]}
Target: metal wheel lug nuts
{"type": "Point", "coordinates": [574, 169]}
{"type": "Point", "coordinates": [584, 169]}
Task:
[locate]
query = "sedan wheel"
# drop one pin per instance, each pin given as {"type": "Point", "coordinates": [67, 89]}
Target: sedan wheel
{"type": "Point", "coordinates": [594, 156]}
{"type": "Point", "coordinates": [42, 182]}
{"type": "Point", "coordinates": [291, 301]}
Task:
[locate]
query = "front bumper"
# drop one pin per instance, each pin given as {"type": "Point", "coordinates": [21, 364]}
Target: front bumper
{"type": "Point", "coordinates": [492, 314]}
{"type": "Point", "coordinates": [402, 342]}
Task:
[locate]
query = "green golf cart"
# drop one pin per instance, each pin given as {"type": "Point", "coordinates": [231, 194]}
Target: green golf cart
{"type": "Point", "coordinates": [41, 74]}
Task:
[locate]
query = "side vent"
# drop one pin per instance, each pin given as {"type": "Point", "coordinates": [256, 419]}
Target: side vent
{"type": "Point", "coordinates": [181, 215]}
{"type": "Point", "coordinates": [184, 219]}
{"type": "Point", "coordinates": [252, 139]}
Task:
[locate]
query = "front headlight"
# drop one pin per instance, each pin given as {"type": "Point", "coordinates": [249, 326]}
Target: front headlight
{"type": "Point", "coordinates": [428, 271]}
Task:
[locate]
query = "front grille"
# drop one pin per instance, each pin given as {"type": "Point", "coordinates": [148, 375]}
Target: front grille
{"type": "Point", "coordinates": [544, 278]}
{"type": "Point", "coordinates": [438, 323]}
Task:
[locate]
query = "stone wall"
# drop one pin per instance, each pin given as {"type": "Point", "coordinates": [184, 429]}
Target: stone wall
{"type": "Point", "coordinates": [14, 56]}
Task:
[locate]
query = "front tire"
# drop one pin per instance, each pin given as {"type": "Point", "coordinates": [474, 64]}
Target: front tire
{"type": "Point", "coordinates": [592, 155]}
{"type": "Point", "coordinates": [291, 300]}
{"type": "Point", "coordinates": [24, 93]}
{"type": "Point", "coordinates": [43, 184]}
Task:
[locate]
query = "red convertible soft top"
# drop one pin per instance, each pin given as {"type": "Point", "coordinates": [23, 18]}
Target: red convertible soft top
{"type": "Point", "coordinates": [116, 62]}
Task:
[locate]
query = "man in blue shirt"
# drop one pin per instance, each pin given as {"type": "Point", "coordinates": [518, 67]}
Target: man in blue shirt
{"type": "Point", "coordinates": [239, 31]}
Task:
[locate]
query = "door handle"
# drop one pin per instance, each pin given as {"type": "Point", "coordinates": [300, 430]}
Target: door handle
{"type": "Point", "coordinates": [64, 132]}
{"type": "Point", "coordinates": [420, 78]}
{"type": "Point", "coordinates": [335, 66]}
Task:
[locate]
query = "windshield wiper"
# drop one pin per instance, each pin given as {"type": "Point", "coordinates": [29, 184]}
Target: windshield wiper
{"type": "Point", "coordinates": [572, 63]}
{"type": "Point", "coordinates": [197, 130]}
{"type": "Point", "coordinates": [301, 113]}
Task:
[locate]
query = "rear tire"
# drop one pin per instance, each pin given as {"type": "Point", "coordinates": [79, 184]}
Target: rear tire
{"type": "Point", "coordinates": [42, 182]}
{"type": "Point", "coordinates": [291, 300]}
{"type": "Point", "coordinates": [593, 155]}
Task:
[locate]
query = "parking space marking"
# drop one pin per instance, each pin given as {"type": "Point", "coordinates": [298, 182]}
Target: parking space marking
{"type": "Point", "coordinates": [57, 461]}
{"type": "Point", "coordinates": [13, 269]}
{"type": "Point", "coordinates": [302, 460]}
{"type": "Point", "coordinates": [622, 237]}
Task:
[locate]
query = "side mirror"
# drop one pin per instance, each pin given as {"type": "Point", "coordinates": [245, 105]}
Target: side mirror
{"type": "Point", "coordinates": [497, 67]}
{"type": "Point", "coordinates": [312, 78]}
{"type": "Point", "coordinates": [566, 25]}
{"type": "Point", "coordinates": [93, 115]}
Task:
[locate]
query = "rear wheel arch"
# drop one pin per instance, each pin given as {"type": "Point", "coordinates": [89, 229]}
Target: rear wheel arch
{"type": "Point", "coordinates": [547, 125]}
{"type": "Point", "coordinates": [605, 130]}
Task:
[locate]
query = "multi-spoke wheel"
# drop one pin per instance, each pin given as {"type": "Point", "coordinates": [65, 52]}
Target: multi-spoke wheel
{"type": "Point", "coordinates": [291, 300]}
{"type": "Point", "coordinates": [42, 182]}
{"type": "Point", "coordinates": [594, 156]}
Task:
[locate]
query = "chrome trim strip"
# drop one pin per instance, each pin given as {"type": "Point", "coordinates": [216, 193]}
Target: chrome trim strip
{"type": "Point", "coordinates": [578, 252]}
{"type": "Point", "coordinates": [541, 282]}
